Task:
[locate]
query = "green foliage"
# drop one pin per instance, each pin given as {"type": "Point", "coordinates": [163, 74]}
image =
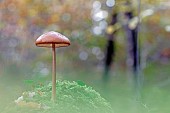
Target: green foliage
{"type": "Point", "coordinates": [72, 97]}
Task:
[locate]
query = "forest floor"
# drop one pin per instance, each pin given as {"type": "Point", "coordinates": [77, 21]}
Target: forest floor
{"type": "Point", "coordinates": [154, 96]}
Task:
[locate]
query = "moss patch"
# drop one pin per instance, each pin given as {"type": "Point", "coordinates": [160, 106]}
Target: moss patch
{"type": "Point", "coordinates": [72, 97]}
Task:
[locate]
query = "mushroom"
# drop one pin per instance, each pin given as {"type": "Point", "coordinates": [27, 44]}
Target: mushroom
{"type": "Point", "coordinates": [53, 40]}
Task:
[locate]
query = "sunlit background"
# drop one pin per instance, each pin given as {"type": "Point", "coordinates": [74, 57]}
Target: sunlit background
{"type": "Point", "coordinates": [87, 24]}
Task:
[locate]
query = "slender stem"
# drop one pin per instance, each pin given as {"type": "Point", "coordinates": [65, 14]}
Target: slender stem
{"type": "Point", "coordinates": [53, 74]}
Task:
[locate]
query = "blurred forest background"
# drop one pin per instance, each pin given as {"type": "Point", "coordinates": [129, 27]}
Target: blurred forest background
{"type": "Point", "coordinates": [89, 25]}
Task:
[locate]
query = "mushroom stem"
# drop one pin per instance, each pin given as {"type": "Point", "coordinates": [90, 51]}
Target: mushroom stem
{"type": "Point", "coordinates": [53, 74]}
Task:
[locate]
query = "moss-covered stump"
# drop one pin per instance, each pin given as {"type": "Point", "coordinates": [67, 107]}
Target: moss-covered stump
{"type": "Point", "coordinates": [72, 97]}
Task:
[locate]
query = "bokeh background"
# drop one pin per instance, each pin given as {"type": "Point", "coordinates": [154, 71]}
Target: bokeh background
{"type": "Point", "coordinates": [87, 24]}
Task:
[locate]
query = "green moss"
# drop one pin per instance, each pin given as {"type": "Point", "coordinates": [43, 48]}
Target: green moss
{"type": "Point", "coordinates": [72, 97]}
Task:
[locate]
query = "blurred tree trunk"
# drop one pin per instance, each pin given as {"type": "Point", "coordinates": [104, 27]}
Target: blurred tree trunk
{"type": "Point", "coordinates": [131, 35]}
{"type": "Point", "coordinates": [131, 30]}
{"type": "Point", "coordinates": [110, 47]}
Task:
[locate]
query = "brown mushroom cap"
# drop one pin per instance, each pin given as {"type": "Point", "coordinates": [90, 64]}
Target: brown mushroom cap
{"type": "Point", "coordinates": [49, 38]}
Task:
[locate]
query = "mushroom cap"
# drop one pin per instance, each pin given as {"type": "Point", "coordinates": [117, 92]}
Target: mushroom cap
{"type": "Point", "coordinates": [49, 38]}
